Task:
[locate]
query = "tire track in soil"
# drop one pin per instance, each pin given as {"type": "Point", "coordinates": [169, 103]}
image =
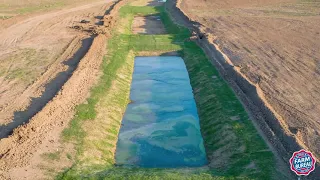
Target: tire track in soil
{"type": "Point", "coordinates": [51, 89]}
{"type": "Point", "coordinates": [20, 153]}
{"type": "Point", "coordinates": [54, 84]}
{"type": "Point", "coordinates": [49, 32]}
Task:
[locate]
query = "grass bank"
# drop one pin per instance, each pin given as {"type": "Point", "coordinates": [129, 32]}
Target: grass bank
{"type": "Point", "coordinates": [233, 146]}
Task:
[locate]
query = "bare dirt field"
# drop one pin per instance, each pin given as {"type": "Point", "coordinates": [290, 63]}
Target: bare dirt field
{"type": "Point", "coordinates": [37, 56]}
{"type": "Point", "coordinates": [148, 25]}
{"type": "Point", "coordinates": [275, 46]}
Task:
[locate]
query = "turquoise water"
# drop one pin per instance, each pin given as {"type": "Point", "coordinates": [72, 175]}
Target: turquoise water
{"type": "Point", "coordinates": [160, 127]}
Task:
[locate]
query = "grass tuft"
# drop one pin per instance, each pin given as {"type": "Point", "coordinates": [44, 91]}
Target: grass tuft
{"type": "Point", "coordinates": [52, 156]}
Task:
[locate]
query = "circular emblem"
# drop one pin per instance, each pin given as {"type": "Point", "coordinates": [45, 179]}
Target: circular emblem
{"type": "Point", "coordinates": [302, 162]}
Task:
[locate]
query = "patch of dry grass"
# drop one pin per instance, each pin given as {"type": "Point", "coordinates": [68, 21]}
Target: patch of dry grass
{"type": "Point", "coordinates": [25, 65]}
{"type": "Point", "coordinates": [24, 7]}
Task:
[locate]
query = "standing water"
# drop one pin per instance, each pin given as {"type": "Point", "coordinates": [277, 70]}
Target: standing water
{"type": "Point", "coordinates": [160, 127]}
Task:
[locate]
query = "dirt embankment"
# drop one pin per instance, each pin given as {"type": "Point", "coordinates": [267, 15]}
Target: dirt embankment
{"type": "Point", "coordinates": [21, 154]}
{"type": "Point", "coordinates": [44, 129]}
{"type": "Point", "coordinates": [38, 55]}
{"type": "Point", "coordinates": [266, 116]}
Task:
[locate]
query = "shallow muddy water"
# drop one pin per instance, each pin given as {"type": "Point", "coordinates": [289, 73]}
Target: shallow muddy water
{"type": "Point", "coordinates": [160, 127]}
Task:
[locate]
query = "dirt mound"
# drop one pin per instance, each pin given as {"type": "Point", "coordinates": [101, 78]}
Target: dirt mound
{"type": "Point", "coordinates": [22, 145]}
{"type": "Point", "coordinates": [21, 152]}
{"type": "Point", "coordinates": [34, 51]}
{"type": "Point", "coordinates": [102, 27]}
{"type": "Point", "coordinates": [106, 23]}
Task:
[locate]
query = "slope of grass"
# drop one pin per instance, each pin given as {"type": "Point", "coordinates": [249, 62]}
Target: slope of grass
{"type": "Point", "coordinates": [233, 146]}
{"type": "Point", "coordinates": [228, 133]}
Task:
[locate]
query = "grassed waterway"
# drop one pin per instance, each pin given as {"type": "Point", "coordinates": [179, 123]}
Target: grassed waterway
{"type": "Point", "coordinates": [160, 127]}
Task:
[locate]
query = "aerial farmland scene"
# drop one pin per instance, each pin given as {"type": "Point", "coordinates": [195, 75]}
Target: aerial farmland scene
{"type": "Point", "coordinates": [159, 89]}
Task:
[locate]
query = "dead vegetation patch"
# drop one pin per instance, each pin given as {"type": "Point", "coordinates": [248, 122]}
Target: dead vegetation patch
{"type": "Point", "coordinates": [151, 24]}
{"type": "Point", "coordinates": [147, 3]}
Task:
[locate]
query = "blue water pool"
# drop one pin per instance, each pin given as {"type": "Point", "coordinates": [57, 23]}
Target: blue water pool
{"type": "Point", "coordinates": [160, 127]}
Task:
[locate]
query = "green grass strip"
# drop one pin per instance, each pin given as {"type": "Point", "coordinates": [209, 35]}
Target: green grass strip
{"type": "Point", "coordinates": [234, 148]}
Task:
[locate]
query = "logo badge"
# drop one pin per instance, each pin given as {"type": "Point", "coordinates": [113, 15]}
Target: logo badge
{"type": "Point", "coordinates": [302, 162]}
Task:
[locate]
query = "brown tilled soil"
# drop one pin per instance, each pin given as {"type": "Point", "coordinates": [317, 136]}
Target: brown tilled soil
{"type": "Point", "coordinates": [37, 56]}
{"type": "Point", "coordinates": [269, 52]}
{"type": "Point", "coordinates": [148, 25]}
{"type": "Point", "coordinates": [33, 150]}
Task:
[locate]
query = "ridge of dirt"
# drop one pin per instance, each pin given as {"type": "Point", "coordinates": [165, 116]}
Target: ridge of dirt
{"type": "Point", "coordinates": [17, 149]}
{"type": "Point", "coordinates": [44, 88]}
{"type": "Point", "coordinates": [15, 17]}
{"type": "Point", "coordinates": [21, 153]}
{"type": "Point", "coordinates": [269, 123]}
{"type": "Point", "coordinates": [38, 48]}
